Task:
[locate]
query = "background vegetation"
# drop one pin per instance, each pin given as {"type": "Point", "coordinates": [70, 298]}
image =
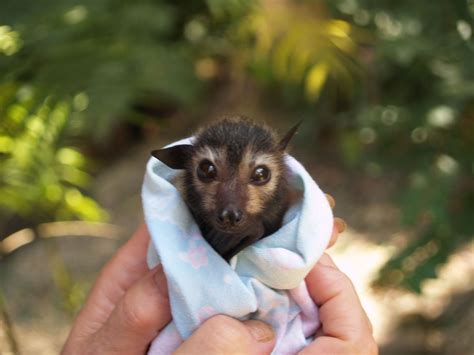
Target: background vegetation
{"type": "Point", "coordinates": [391, 83]}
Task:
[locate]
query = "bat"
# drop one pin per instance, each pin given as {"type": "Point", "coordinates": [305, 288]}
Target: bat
{"type": "Point", "coordinates": [234, 181]}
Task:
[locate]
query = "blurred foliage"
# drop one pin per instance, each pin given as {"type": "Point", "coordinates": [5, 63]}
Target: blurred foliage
{"type": "Point", "coordinates": [40, 176]}
{"type": "Point", "coordinates": [116, 53]}
{"type": "Point", "coordinates": [301, 45]}
{"type": "Point", "coordinates": [72, 293]}
{"type": "Point", "coordinates": [415, 118]}
{"type": "Point", "coordinates": [393, 81]}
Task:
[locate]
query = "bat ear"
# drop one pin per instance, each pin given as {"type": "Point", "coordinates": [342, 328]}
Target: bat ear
{"type": "Point", "coordinates": [175, 157]}
{"type": "Point", "coordinates": [287, 138]}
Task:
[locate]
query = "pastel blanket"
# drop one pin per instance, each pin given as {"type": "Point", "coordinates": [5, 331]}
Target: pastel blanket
{"type": "Point", "coordinates": [265, 281]}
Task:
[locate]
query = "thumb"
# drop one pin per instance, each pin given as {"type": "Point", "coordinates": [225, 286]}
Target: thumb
{"type": "Point", "coordinates": [225, 335]}
{"type": "Point", "coordinates": [141, 313]}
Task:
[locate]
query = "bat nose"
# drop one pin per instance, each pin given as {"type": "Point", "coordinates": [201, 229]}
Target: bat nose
{"type": "Point", "coordinates": [230, 215]}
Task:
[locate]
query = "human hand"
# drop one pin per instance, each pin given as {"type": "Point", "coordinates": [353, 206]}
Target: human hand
{"type": "Point", "coordinates": [127, 307]}
{"type": "Point", "coordinates": [345, 327]}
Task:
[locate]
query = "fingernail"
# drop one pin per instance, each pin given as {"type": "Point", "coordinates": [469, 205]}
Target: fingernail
{"type": "Point", "coordinates": [160, 281]}
{"type": "Point", "coordinates": [331, 200]}
{"type": "Point", "coordinates": [260, 331]}
{"type": "Point", "coordinates": [341, 225]}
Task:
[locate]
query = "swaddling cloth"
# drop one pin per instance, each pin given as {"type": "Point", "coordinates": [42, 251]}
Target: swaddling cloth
{"type": "Point", "coordinates": [265, 281]}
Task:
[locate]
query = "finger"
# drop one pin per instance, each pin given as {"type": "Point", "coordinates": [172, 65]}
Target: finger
{"type": "Point", "coordinates": [341, 312]}
{"type": "Point", "coordinates": [338, 227]}
{"type": "Point", "coordinates": [127, 265]}
{"type": "Point", "coordinates": [340, 224]}
{"type": "Point", "coordinates": [139, 316]}
{"type": "Point", "coordinates": [123, 270]}
{"type": "Point", "coordinates": [331, 200]}
{"type": "Point", "coordinates": [226, 335]}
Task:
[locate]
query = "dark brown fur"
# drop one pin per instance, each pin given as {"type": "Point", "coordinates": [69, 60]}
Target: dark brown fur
{"type": "Point", "coordinates": [235, 147]}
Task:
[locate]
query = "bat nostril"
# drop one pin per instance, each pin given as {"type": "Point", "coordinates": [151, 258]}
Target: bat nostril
{"type": "Point", "coordinates": [230, 215]}
{"type": "Point", "coordinates": [237, 216]}
{"type": "Point", "coordinates": [224, 216]}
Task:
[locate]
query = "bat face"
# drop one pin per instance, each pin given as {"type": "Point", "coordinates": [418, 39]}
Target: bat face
{"type": "Point", "coordinates": [234, 187]}
{"type": "Point", "coordinates": [234, 180]}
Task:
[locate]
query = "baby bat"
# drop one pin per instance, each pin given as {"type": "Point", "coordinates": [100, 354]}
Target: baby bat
{"type": "Point", "coordinates": [235, 182]}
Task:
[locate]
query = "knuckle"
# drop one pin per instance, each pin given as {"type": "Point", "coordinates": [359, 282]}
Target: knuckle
{"type": "Point", "coordinates": [132, 314]}
{"type": "Point", "coordinates": [340, 279]}
{"type": "Point", "coordinates": [345, 281]}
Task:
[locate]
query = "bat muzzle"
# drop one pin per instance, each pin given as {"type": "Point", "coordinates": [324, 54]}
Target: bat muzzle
{"type": "Point", "coordinates": [230, 216]}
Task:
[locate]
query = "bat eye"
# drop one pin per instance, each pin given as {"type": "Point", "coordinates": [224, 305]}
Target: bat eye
{"type": "Point", "coordinates": [260, 176]}
{"type": "Point", "coordinates": [206, 171]}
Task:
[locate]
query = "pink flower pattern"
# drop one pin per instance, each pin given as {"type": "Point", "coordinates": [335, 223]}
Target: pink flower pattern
{"type": "Point", "coordinates": [196, 254]}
